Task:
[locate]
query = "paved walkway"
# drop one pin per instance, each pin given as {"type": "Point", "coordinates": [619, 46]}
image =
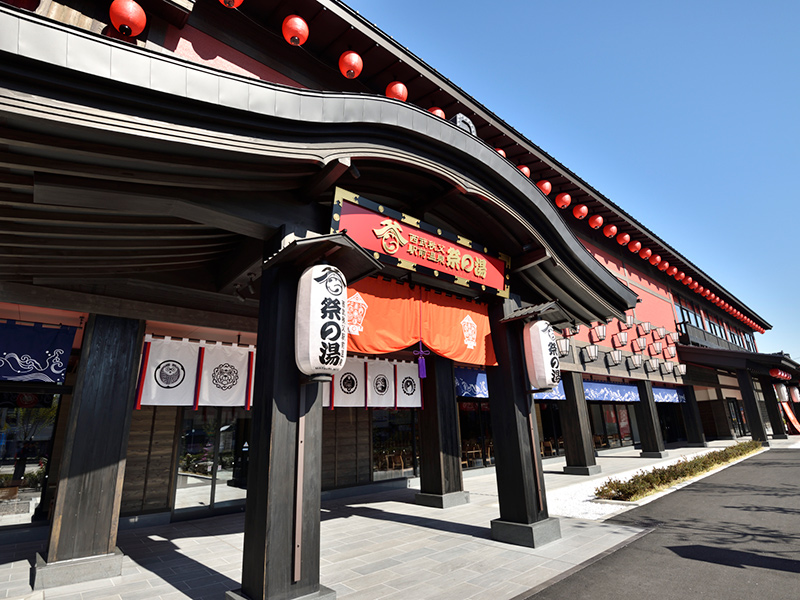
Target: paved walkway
{"type": "Point", "coordinates": [379, 546]}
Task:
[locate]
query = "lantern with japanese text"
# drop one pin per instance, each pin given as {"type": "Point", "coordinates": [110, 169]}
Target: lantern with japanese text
{"type": "Point", "coordinates": [541, 355]}
{"type": "Point", "coordinates": [321, 321]}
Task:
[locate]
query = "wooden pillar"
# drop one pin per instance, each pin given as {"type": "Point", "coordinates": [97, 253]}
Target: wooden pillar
{"type": "Point", "coordinates": [647, 420]}
{"type": "Point", "coordinates": [577, 428]}
{"type": "Point", "coordinates": [441, 483]}
{"type": "Point", "coordinates": [286, 414]}
{"type": "Point", "coordinates": [83, 531]}
{"type": "Point", "coordinates": [691, 419]}
{"type": "Point", "coordinates": [773, 410]}
{"type": "Point", "coordinates": [518, 465]}
{"type": "Point", "coordinates": [756, 424]}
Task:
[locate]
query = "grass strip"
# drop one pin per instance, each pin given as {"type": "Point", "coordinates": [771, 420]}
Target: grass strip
{"type": "Point", "coordinates": [645, 483]}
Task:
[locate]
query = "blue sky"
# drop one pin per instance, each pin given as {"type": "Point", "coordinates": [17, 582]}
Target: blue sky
{"type": "Point", "coordinates": [684, 113]}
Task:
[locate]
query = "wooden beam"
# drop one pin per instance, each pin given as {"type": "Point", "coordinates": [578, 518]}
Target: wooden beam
{"type": "Point", "coordinates": [323, 180]}
{"type": "Point", "coordinates": [50, 297]}
{"type": "Point", "coordinates": [529, 259]}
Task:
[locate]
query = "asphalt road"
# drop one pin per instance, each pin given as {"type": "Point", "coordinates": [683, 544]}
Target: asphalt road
{"type": "Point", "coordinates": [733, 535]}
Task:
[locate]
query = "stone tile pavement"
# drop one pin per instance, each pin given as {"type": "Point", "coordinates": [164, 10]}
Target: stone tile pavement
{"type": "Point", "coordinates": [376, 546]}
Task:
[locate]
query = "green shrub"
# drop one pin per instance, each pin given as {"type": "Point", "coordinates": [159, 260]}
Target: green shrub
{"type": "Point", "coordinates": [644, 483]}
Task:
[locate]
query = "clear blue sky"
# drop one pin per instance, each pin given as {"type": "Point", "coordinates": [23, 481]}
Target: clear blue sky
{"type": "Point", "coordinates": [683, 113]}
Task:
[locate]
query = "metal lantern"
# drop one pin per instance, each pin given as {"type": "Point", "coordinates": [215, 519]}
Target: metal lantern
{"type": "Point", "coordinates": [350, 64]}
{"type": "Point", "coordinates": [294, 29]}
{"type": "Point", "coordinates": [127, 17]}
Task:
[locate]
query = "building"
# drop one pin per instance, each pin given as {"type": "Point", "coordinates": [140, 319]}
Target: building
{"type": "Point", "coordinates": [175, 184]}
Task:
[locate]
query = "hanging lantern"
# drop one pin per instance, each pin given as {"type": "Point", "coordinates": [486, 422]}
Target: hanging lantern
{"type": "Point", "coordinates": [595, 221]}
{"type": "Point", "coordinates": [623, 239]}
{"type": "Point", "coordinates": [316, 325]}
{"type": "Point", "coordinates": [687, 281]}
{"type": "Point", "coordinates": [700, 290]}
{"type": "Point", "coordinates": [671, 271]}
{"type": "Point", "coordinates": [635, 246]}
{"type": "Point", "coordinates": [127, 17]}
{"type": "Point", "coordinates": [525, 170]}
{"type": "Point", "coordinates": [231, 3]}
{"type": "Point", "coordinates": [437, 111]}
{"type": "Point", "coordinates": [541, 355]}
{"type": "Point", "coordinates": [397, 91]}
{"type": "Point", "coordinates": [580, 211]}
{"type": "Point", "coordinates": [563, 200]}
{"type": "Point", "coordinates": [694, 286]}
{"type": "Point", "coordinates": [501, 152]}
{"type": "Point", "coordinates": [775, 373]}
{"type": "Point", "coordinates": [610, 231]}
{"type": "Point", "coordinates": [645, 253]}
{"type": "Point", "coordinates": [655, 259]}
{"type": "Point", "coordinates": [663, 266]}
{"type": "Point", "coordinates": [545, 186]}
{"type": "Point", "coordinates": [680, 276]}
{"type": "Point", "coordinates": [350, 64]}
{"type": "Point", "coordinates": [294, 29]}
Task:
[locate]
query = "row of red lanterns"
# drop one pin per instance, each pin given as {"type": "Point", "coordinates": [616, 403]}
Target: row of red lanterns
{"type": "Point", "coordinates": [581, 211]}
{"type": "Point", "coordinates": [780, 374]}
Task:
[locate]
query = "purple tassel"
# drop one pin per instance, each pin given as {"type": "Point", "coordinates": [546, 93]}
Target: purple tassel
{"type": "Point", "coordinates": [421, 360]}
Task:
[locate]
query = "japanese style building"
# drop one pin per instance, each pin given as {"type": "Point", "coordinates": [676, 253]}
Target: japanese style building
{"type": "Point", "coordinates": [162, 190]}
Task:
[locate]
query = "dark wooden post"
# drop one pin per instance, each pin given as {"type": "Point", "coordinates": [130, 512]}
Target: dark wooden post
{"type": "Point", "coordinates": [83, 531]}
{"type": "Point", "coordinates": [647, 420]}
{"type": "Point", "coordinates": [773, 410]}
{"type": "Point", "coordinates": [691, 418]}
{"type": "Point", "coordinates": [441, 483]}
{"type": "Point", "coordinates": [757, 429]}
{"type": "Point", "coordinates": [286, 414]}
{"type": "Point", "coordinates": [577, 429]}
{"type": "Point", "coordinates": [518, 464]}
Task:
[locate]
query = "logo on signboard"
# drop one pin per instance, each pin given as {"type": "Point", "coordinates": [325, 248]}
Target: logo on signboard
{"type": "Point", "coordinates": [348, 383]}
{"type": "Point", "coordinates": [356, 311]}
{"type": "Point", "coordinates": [409, 386]}
{"type": "Point", "coordinates": [381, 385]}
{"type": "Point", "coordinates": [390, 235]}
{"type": "Point", "coordinates": [470, 330]}
{"type": "Point", "coordinates": [170, 374]}
{"type": "Point", "coordinates": [225, 376]}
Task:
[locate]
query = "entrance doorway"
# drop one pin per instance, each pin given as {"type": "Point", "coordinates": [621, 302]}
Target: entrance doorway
{"type": "Point", "coordinates": [738, 421]}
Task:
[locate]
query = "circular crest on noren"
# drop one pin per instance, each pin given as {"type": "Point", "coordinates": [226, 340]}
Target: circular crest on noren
{"type": "Point", "coordinates": [381, 385]}
{"type": "Point", "coordinates": [409, 386]}
{"type": "Point", "coordinates": [225, 376]}
{"type": "Point", "coordinates": [348, 383]}
{"type": "Point", "coordinates": [169, 374]}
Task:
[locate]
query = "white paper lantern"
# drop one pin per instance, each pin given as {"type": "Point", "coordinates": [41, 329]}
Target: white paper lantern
{"type": "Point", "coordinates": [795, 393]}
{"type": "Point", "coordinates": [541, 355]}
{"type": "Point", "coordinates": [321, 321]}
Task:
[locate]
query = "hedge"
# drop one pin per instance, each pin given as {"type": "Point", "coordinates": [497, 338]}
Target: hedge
{"type": "Point", "coordinates": [645, 483]}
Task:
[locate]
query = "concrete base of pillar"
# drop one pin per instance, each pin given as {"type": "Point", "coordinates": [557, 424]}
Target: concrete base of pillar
{"type": "Point", "coordinates": [531, 535]}
{"type": "Point", "coordinates": [323, 594]}
{"type": "Point", "coordinates": [442, 500]}
{"type": "Point", "coordinates": [66, 572]}
{"type": "Point", "coordinates": [590, 470]}
{"type": "Point", "coordinates": [780, 436]}
{"type": "Point", "coordinates": [663, 454]}
{"type": "Point", "coordinates": [696, 444]}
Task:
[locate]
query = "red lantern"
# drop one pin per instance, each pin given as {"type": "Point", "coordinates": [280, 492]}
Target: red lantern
{"type": "Point", "coordinates": [595, 221]}
{"type": "Point", "coordinates": [397, 91]}
{"type": "Point", "coordinates": [655, 259]}
{"type": "Point", "coordinates": [623, 239]}
{"type": "Point", "coordinates": [671, 271]}
{"type": "Point", "coordinates": [437, 111]}
{"type": "Point", "coordinates": [687, 281]}
{"type": "Point", "coordinates": [663, 266]}
{"type": "Point", "coordinates": [776, 373]}
{"type": "Point", "coordinates": [545, 186]}
{"type": "Point", "coordinates": [610, 231]}
{"type": "Point", "coordinates": [580, 211]}
{"type": "Point", "coordinates": [634, 246]}
{"type": "Point", "coordinates": [694, 286]}
{"type": "Point", "coordinates": [127, 17]}
{"type": "Point", "coordinates": [563, 200]}
{"type": "Point", "coordinates": [525, 170]}
{"type": "Point", "coordinates": [699, 290]}
{"type": "Point", "coordinates": [350, 64]}
{"type": "Point", "coordinates": [501, 152]}
{"type": "Point", "coordinates": [645, 253]}
{"type": "Point", "coordinates": [231, 3]}
{"type": "Point", "coordinates": [294, 29]}
{"type": "Point", "coordinates": [680, 276]}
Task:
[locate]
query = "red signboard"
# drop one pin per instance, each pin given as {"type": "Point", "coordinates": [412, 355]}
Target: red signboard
{"type": "Point", "coordinates": [407, 242]}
